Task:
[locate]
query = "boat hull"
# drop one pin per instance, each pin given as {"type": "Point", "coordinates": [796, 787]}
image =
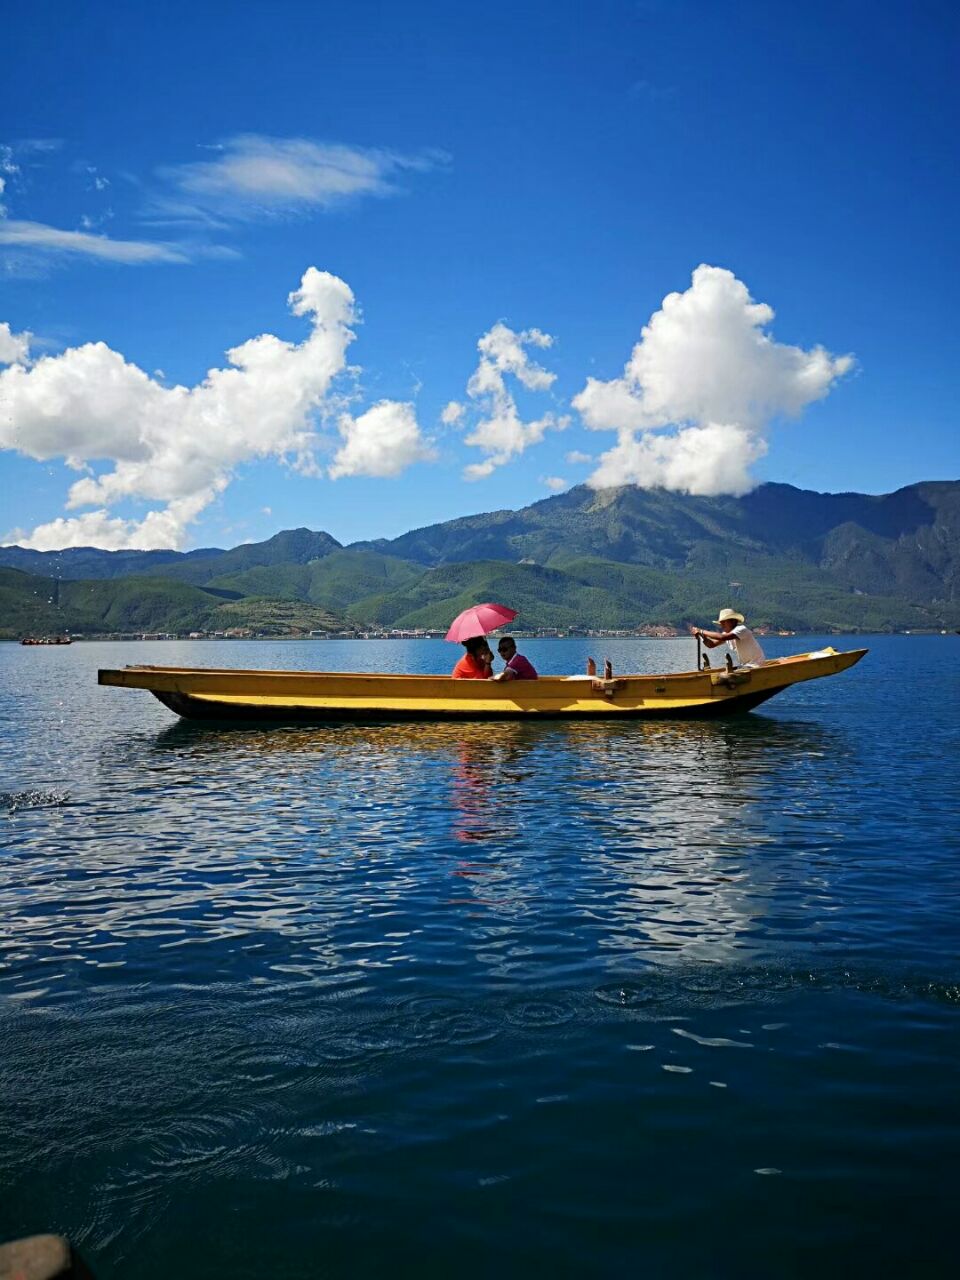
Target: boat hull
{"type": "Point", "coordinates": [201, 709]}
{"type": "Point", "coordinates": [332, 698]}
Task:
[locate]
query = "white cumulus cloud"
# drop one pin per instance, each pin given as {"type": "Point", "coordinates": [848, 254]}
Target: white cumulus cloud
{"type": "Point", "coordinates": [707, 460]}
{"type": "Point", "coordinates": [158, 530]}
{"type": "Point", "coordinates": [556, 483]}
{"type": "Point", "coordinates": [14, 347]}
{"type": "Point", "coordinates": [700, 389]}
{"type": "Point", "coordinates": [179, 446]}
{"type": "Point", "coordinates": [381, 442]}
{"type": "Point", "coordinates": [499, 431]}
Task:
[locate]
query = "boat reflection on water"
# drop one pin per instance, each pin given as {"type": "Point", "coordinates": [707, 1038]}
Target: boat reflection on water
{"type": "Point", "coordinates": [660, 840]}
{"type": "Point", "coordinates": [705, 853]}
{"type": "Point", "coordinates": [699, 840]}
{"type": "Point", "coordinates": [511, 738]}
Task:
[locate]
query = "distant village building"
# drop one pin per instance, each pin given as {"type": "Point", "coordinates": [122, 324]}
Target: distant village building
{"type": "Point", "coordinates": [657, 631]}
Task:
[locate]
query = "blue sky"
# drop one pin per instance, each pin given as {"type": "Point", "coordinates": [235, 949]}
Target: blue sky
{"type": "Point", "coordinates": [171, 172]}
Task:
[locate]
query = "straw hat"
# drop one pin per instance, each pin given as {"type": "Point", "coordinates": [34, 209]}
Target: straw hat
{"type": "Point", "coordinates": [729, 615]}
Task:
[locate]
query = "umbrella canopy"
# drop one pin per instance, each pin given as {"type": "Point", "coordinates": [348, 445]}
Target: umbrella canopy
{"type": "Point", "coordinates": [479, 620]}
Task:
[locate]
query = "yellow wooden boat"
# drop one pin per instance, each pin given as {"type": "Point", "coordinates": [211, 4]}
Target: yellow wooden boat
{"type": "Point", "coordinates": [203, 693]}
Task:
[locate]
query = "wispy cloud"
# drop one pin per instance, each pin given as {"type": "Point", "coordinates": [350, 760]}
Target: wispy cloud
{"type": "Point", "coordinates": [252, 176]}
{"type": "Point", "coordinates": [39, 236]}
{"type": "Point", "coordinates": [650, 91]}
{"type": "Point", "coordinates": [29, 248]}
{"type": "Point", "coordinates": [245, 178]}
{"type": "Point", "coordinates": [37, 146]}
{"type": "Point", "coordinates": [9, 170]}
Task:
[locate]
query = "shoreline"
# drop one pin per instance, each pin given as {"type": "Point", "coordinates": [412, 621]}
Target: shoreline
{"type": "Point", "coordinates": [115, 638]}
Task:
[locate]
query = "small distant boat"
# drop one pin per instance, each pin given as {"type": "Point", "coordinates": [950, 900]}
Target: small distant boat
{"type": "Point", "coordinates": [46, 640]}
{"type": "Point", "coordinates": [200, 693]}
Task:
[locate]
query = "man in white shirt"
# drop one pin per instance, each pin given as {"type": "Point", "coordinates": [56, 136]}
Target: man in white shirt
{"type": "Point", "coordinates": [734, 631]}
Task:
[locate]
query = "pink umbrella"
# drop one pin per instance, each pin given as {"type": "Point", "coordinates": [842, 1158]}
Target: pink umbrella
{"type": "Point", "coordinates": [479, 621]}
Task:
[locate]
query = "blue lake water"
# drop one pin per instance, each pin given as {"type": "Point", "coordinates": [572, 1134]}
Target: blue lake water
{"type": "Point", "coordinates": [664, 999]}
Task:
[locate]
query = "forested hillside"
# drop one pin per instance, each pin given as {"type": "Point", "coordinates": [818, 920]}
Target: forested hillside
{"type": "Point", "coordinates": [618, 558]}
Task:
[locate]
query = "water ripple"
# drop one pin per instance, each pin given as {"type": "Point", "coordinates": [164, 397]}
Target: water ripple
{"type": "Point", "coordinates": [34, 799]}
{"type": "Point", "coordinates": [305, 982]}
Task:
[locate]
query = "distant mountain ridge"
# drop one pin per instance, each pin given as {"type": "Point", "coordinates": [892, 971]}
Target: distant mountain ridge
{"type": "Point", "coordinates": [291, 546]}
{"type": "Point", "coordinates": [613, 558]}
{"type": "Point", "coordinates": [659, 527]}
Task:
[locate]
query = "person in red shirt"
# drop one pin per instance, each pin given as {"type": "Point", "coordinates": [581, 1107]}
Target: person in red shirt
{"type": "Point", "coordinates": [476, 663]}
{"type": "Point", "coordinates": [518, 667]}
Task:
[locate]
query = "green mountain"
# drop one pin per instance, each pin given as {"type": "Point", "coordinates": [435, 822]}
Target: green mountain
{"type": "Point", "coordinates": [91, 562]}
{"type": "Point", "coordinates": [909, 539]}
{"type": "Point", "coordinates": [336, 582]}
{"type": "Point", "coordinates": [292, 546]}
{"type": "Point", "coordinates": [617, 558]}
{"type": "Point", "coordinates": [589, 592]}
{"type": "Point", "coordinates": [542, 597]}
{"type": "Point", "coordinates": [33, 605]}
